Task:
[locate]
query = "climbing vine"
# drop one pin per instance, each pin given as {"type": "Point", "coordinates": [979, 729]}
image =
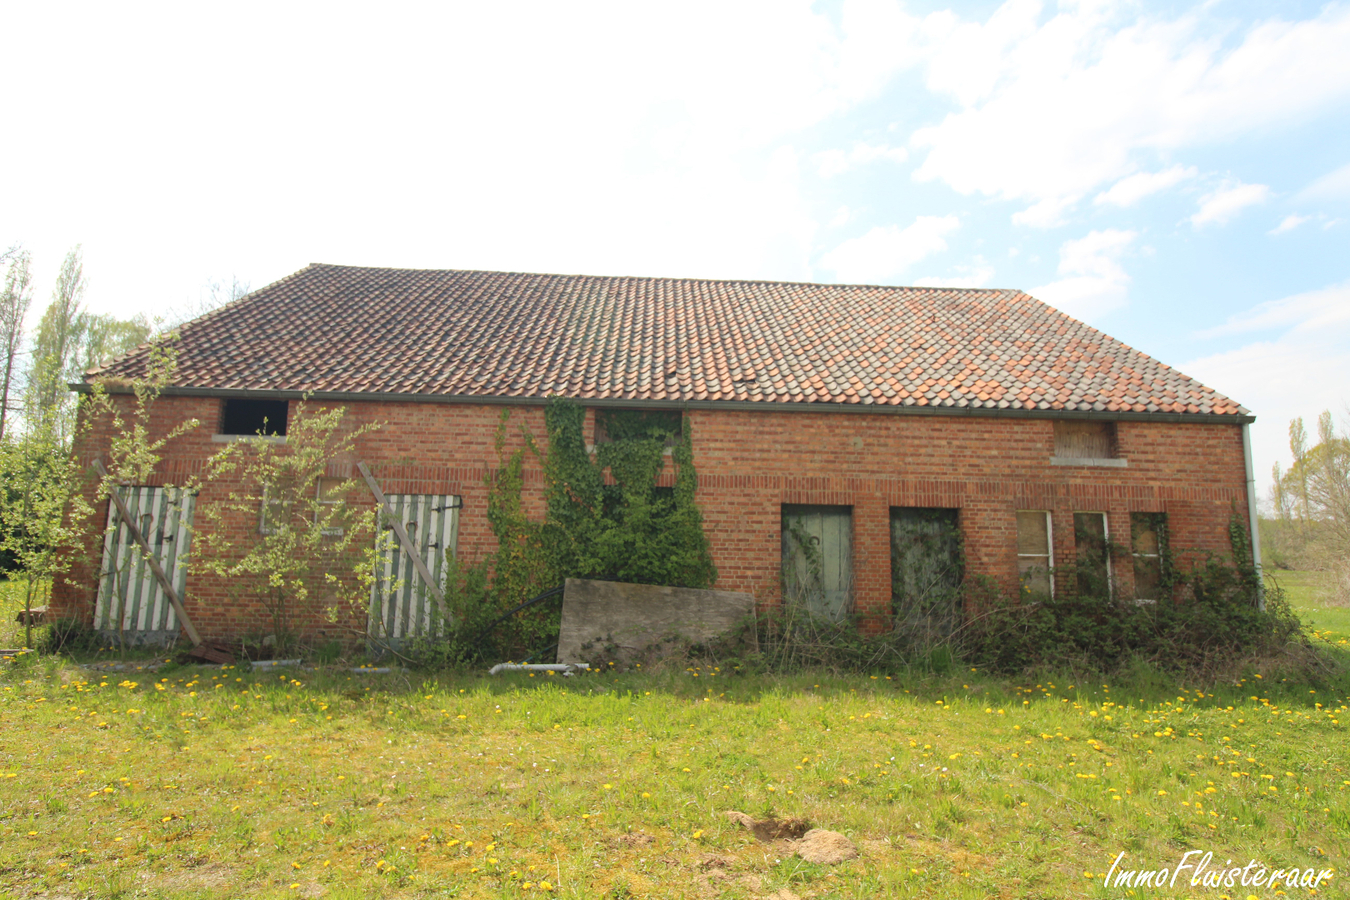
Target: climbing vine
{"type": "Point", "coordinates": [607, 518]}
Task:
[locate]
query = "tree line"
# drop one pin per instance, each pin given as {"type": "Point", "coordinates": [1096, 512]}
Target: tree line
{"type": "Point", "coordinates": [1311, 502]}
{"type": "Point", "coordinates": [38, 411]}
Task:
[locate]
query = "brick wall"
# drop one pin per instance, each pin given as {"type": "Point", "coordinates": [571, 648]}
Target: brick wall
{"type": "Point", "coordinates": [750, 464]}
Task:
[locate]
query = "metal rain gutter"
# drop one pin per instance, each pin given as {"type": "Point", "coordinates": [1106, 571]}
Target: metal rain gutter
{"type": "Point", "coordinates": [1253, 520]}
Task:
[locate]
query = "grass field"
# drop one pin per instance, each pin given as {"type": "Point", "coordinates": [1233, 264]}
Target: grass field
{"type": "Point", "coordinates": [225, 782]}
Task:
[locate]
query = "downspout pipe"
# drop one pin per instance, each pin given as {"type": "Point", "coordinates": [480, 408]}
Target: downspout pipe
{"type": "Point", "coordinates": [1252, 516]}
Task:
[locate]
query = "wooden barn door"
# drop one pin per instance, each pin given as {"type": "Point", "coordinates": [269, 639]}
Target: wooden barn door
{"type": "Point", "coordinates": [400, 605]}
{"type": "Point", "coordinates": [818, 559]}
{"type": "Point", "coordinates": [131, 603]}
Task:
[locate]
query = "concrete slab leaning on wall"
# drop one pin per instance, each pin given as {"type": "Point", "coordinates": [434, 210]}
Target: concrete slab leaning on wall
{"type": "Point", "coordinates": [634, 616]}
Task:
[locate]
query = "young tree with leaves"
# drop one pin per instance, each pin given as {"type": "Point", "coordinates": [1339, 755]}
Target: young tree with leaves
{"type": "Point", "coordinates": [54, 350]}
{"type": "Point", "coordinates": [38, 534]}
{"type": "Point", "coordinates": [15, 299]}
{"type": "Point", "coordinates": [309, 539]}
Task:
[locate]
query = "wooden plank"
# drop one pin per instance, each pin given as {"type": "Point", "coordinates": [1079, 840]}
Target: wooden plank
{"type": "Point", "coordinates": [155, 567]}
{"type": "Point", "coordinates": [418, 564]}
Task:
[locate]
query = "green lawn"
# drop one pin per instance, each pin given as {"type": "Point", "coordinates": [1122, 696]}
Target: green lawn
{"type": "Point", "coordinates": [225, 782]}
{"type": "Point", "coordinates": [12, 593]}
{"type": "Point", "coordinates": [1305, 591]}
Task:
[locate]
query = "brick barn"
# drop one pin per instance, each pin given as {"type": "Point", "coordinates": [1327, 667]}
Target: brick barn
{"type": "Point", "coordinates": [863, 417]}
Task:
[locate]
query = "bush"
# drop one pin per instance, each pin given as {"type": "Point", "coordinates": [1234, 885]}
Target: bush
{"type": "Point", "coordinates": [70, 636]}
{"type": "Point", "coordinates": [1215, 615]}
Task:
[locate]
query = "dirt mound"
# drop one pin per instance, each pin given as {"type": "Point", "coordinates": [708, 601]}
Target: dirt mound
{"type": "Point", "coordinates": [826, 847]}
{"type": "Point", "coordinates": [771, 829]}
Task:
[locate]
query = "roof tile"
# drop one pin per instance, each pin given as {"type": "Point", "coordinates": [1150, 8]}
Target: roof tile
{"type": "Point", "coordinates": [500, 334]}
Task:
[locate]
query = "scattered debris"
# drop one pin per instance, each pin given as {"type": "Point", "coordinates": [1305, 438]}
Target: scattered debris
{"type": "Point", "coordinates": [771, 829]}
{"type": "Point", "coordinates": [213, 653]}
{"type": "Point", "coordinates": [272, 663]}
{"type": "Point", "coordinates": [35, 616]}
{"type": "Point", "coordinates": [826, 847]}
{"type": "Point", "coordinates": [147, 665]}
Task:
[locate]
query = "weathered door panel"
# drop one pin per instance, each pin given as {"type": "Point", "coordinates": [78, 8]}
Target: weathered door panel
{"type": "Point", "coordinates": [400, 605]}
{"type": "Point", "coordinates": [131, 604]}
{"type": "Point", "coordinates": [818, 559]}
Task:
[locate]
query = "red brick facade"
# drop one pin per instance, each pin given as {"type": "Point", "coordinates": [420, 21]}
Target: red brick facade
{"type": "Point", "coordinates": [750, 463]}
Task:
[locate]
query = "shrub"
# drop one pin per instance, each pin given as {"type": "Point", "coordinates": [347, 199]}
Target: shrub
{"type": "Point", "coordinates": [1215, 613]}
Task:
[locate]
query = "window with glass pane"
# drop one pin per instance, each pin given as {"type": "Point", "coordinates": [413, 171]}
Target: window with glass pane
{"type": "Point", "coordinates": [1094, 559]}
{"type": "Point", "coordinates": [1148, 541]}
{"type": "Point", "coordinates": [1035, 551]}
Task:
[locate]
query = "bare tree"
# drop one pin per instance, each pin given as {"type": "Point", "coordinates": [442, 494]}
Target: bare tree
{"type": "Point", "coordinates": [14, 302]}
{"type": "Point", "coordinates": [213, 295]}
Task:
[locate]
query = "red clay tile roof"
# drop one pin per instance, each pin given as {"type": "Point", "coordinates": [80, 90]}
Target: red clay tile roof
{"type": "Point", "coordinates": [344, 329]}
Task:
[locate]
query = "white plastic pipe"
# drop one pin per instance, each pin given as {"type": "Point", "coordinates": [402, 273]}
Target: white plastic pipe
{"type": "Point", "coordinates": [565, 668]}
{"type": "Point", "coordinates": [1252, 515]}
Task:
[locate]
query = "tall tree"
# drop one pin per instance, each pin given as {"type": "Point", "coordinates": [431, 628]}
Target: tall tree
{"type": "Point", "coordinates": [14, 302]}
{"type": "Point", "coordinates": [54, 350]}
{"type": "Point", "coordinates": [1319, 484]}
{"type": "Point", "coordinates": [103, 338]}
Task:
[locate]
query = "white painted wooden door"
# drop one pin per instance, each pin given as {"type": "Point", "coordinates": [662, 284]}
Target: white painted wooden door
{"type": "Point", "coordinates": [131, 601]}
{"type": "Point", "coordinates": [400, 605]}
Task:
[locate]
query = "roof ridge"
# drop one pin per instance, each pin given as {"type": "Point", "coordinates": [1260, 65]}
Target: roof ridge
{"type": "Point", "coordinates": [678, 279]}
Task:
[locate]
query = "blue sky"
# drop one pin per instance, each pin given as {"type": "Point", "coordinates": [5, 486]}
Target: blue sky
{"type": "Point", "coordinates": [1176, 175]}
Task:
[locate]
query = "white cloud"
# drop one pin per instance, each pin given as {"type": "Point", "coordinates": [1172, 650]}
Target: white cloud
{"type": "Point", "coordinates": [1130, 190]}
{"type": "Point", "coordinates": [836, 162]}
{"type": "Point", "coordinates": [1063, 108]}
{"type": "Point", "coordinates": [1289, 223]}
{"type": "Point", "coordinates": [975, 275]}
{"type": "Point", "coordinates": [1298, 366]}
{"type": "Point", "coordinates": [1220, 206]}
{"type": "Point", "coordinates": [1046, 214]}
{"type": "Point", "coordinates": [1331, 186]}
{"type": "Point", "coordinates": [885, 252]}
{"type": "Point", "coordinates": [1308, 312]}
{"type": "Point", "coordinates": [1096, 282]}
{"type": "Point", "coordinates": [608, 138]}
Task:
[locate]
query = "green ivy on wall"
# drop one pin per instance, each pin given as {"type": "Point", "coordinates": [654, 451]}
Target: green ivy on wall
{"type": "Point", "coordinates": [606, 519]}
{"type": "Point", "coordinates": [631, 529]}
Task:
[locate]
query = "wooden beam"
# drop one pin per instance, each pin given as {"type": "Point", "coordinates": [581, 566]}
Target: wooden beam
{"type": "Point", "coordinates": [149, 555]}
{"type": "Point", "coordinates": [419, 565]}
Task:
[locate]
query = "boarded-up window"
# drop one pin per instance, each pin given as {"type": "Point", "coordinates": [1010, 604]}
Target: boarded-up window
{"type": "Point", "coordinates": [1094, 557]}
{"type": "Point", "coordinates": [1035, 551]}
{"type": "Point", "coordinates": [925, 568]}
{"type": "Point", "coordinates": [1085, 440]}
{"type": "Point", "coordinates": [818, 559]}
{"type": "Point", "coordinates": [1148, 541]}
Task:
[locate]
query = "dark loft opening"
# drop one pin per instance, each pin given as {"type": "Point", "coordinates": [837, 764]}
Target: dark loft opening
{"type": "Point", "coordinates": [246, 416]}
